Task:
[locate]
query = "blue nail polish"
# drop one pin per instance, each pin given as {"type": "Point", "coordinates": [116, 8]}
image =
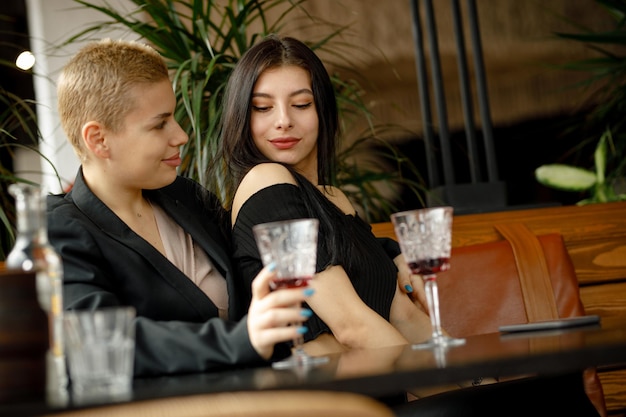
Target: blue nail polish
{"type": "Point", "coordinates": [303, 329]}
{"type": "Point", "coordinates": [408, 288]}
{"type": "Point", "coordinates": [272, 266]}
{"type": "Point", "coordinates": [309, 292]}
{"type": "Point", "coordinates": [306, 312]}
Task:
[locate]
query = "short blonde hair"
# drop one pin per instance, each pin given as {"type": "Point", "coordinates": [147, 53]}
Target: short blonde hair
{"type": "Point", "coordinates": [95, 85]}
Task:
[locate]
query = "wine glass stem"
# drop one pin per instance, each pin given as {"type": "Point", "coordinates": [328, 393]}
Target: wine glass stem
{"type": "Point", "coordinates": [297, 346]}
{"type": "Point", "coordinates": [432, 297]}
{"type": "Point", "coordinates": [298, 350]}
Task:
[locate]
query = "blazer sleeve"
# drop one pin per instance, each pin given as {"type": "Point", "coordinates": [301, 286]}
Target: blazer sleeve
{"type": "Point", "coordinates": [98, 274]}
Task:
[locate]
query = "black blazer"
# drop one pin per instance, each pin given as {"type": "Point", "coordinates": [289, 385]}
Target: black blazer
{"type": "Point", "coordinates": [105, 264]}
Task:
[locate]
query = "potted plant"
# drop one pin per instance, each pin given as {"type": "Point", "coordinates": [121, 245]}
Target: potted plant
{"type": "Point", "coordinates": [597, 166]}
{"type": "Point", "coordinates": [18, 130]}
{"type": "Point", "coordinates": [202, 41]}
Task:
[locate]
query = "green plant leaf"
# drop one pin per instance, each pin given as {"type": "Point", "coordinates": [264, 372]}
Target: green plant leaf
{"type": "Point", "coordinates": [565, 177]}
{"type": "Point", "coordinates": [600, 155]}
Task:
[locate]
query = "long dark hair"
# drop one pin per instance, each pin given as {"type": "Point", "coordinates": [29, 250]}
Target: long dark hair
{"type": "Point", "coordinates": [239, 154]}
{"type": "Point", "coordinates": [238, 150]}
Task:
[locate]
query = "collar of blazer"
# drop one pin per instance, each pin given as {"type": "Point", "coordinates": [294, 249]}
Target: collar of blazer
{"type": "Point", "coordinates": [194, 220]}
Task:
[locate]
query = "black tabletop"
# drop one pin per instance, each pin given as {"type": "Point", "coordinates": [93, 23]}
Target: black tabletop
{"type": "Point", "coordinates": [387, 371]}
{"type": "Point", "coordinates": [384, 371]}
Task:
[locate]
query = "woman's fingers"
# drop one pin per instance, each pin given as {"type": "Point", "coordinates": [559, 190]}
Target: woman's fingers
{"type": "Point", "coordinates": [419, 292]}
{"type": "Point", "coordinates": [270, 321]}
{"type": "Point", "coordinates": [411, 284]}
{"type": "Point", "coordinates": [404, 275]}
{"type": "Point", "coordinates": [275, 316]}
{"type": "Point", "coordinates": [261, 283]}
{"type": "Point", "coordinates": [280, 316]}
{"type": "Point", "coordinates": [279, 324]}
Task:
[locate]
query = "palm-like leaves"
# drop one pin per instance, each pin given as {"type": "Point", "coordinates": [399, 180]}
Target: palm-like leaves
{"type": "Point", "coordinates": [607, 76]}
{"type": "Point", "coordinates": [17, 114]}
{"type": "Point", "coordinates": [201, 41]}
{"type": "Point", "coordinates": [17, 117]}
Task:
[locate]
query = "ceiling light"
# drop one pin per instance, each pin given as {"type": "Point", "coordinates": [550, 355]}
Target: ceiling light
{"type": "Point", "coordinates": [25, 60]}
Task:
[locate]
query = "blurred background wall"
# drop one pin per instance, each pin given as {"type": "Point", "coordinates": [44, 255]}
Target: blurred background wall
{"type": "Point", "coordinates": [528, 96]}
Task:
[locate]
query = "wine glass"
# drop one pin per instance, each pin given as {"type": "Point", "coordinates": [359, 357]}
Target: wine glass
{"type": "Point", "coordinates": [425, 238]}
{"type": "Point", "coordinates": [292, 246]}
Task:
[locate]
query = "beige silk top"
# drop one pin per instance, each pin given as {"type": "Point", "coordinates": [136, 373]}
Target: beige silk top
{"type": "Point", "coordinates": [191, 259]}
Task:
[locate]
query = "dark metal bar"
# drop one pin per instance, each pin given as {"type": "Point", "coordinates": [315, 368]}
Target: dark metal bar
{"type": "Point", "coordinates": [440, 100]}
{"type": "Point", "coordinates": [481, 87]}
{"type": "Point", "coordinates": [422, 84]}
{"type": "Point", "coordinates": [466, 94]}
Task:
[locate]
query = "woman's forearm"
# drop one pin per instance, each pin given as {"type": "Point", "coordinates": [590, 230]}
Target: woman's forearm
{"type": "Point", "coordinates": [352, 322]}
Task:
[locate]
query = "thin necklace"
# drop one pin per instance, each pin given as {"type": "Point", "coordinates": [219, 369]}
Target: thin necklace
{"type": "Point", "coordinates": [139, 214]}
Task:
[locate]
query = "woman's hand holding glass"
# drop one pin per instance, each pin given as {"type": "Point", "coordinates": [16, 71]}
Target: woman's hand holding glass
{"type": "Point", "coordinates": [292, 246]}
{"type": "Point", "coordinates": [411, 284]}
{"type": "Point", "coordinates": [272, 313]}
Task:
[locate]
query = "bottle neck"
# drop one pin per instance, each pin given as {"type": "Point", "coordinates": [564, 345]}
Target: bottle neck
{"type": "Point", "coordinates": [30, 208]}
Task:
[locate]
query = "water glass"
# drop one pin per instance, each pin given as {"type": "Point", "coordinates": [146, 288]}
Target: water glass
{"type": "Point", "coordinates": [100, 348]}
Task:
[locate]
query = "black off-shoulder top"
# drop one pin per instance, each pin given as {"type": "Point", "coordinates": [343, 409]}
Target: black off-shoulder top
{"type": "Point", "coordinates": [371, 269]}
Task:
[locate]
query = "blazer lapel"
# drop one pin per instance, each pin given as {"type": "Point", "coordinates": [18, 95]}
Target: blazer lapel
{"type": "Point", "coordinates": [92, 207]}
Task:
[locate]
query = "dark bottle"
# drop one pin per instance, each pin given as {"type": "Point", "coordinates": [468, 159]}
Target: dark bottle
{"type": "Point", "coordinates": [32, 252]}
{"type": "Point", "coordinates": [24, 339]}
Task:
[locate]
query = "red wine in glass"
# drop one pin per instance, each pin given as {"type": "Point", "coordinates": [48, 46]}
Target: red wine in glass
{"type": "Point", "coordinates": [429, 266]}
{"type": "Point", "coordinates": [299, 282]}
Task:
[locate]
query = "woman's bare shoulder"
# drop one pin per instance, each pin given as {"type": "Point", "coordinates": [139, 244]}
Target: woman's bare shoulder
{"type": "Point", "coordinates": [259, 177]}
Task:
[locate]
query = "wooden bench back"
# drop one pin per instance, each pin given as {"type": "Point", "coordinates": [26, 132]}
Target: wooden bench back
{"type": "Point", "coordinates": [594, 235]}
